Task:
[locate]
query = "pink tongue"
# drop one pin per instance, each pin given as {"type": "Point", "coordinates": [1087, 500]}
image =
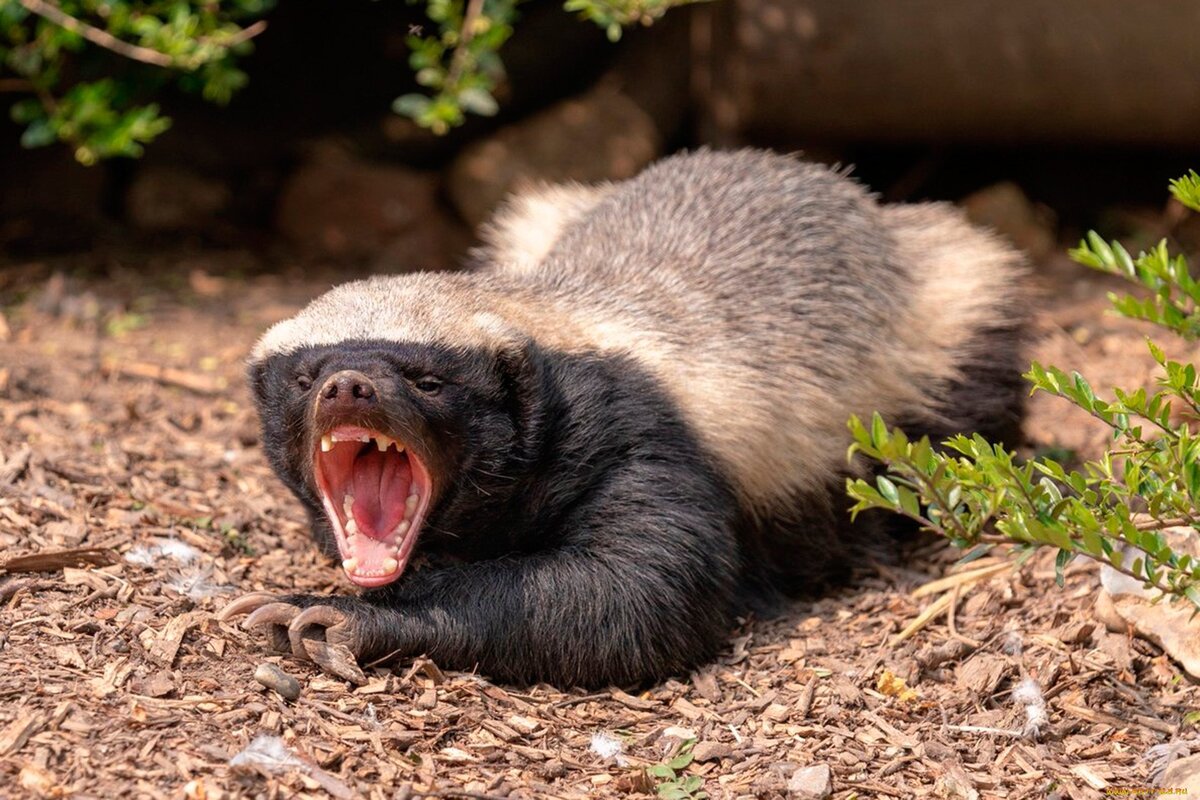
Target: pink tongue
{"type": "Point", "coordinates": [380, 484]}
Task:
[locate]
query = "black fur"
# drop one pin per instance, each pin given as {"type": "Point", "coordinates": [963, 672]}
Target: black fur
{"type": "Point", "coordinates": [596, 541]}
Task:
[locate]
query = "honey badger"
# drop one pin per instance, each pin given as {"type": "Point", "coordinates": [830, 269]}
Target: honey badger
{"type": "Point", "coordinates": [629, 418]}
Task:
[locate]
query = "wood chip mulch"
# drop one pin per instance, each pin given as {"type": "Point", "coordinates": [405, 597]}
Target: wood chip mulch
{"type": "Point", "coordinates": [129, 469]}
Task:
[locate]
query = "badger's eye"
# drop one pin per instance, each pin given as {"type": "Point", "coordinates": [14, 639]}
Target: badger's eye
{"type": "Point", "coordinates": [429, 384]}
{"type": "Point", "coordinates": [304, 382]}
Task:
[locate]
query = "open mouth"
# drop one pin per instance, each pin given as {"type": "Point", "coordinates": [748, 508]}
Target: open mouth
{"type": "Point", "coordinates": [376, 493]}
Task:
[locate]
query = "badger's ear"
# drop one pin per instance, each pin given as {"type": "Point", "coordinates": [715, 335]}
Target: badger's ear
{"type": "Point", "coordinates": [257, 375]}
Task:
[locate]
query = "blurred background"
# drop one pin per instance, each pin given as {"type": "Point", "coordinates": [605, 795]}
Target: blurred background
{"type": "Point", "coordinates": [1041, 119]}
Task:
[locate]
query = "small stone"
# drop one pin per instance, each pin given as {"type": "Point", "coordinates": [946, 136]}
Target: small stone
{"type": "Point", "coordinates": [711, 751]}
{"type": "Point", "coordinates": [601, 135]}
{"type": "Point", "coordinates": [38, 781]}
{"type": "Point", "coordinates": [273, 677]}
{"type": "Point", "coordinates": [1005, 209]}
{"type": "Point", "coordinates": [1182, 777]}
{"type": "Point", "coordinates": [811, 783]}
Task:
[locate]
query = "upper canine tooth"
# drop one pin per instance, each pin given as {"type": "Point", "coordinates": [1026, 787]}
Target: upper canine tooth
{"type": "Point", "coordinates": [326, 443]}
{"type": "Point", "coordinates": [382, 443]}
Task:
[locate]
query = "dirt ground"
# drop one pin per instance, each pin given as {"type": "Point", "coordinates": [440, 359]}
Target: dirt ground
{"type": "Point", "coordinates": [125, 426]}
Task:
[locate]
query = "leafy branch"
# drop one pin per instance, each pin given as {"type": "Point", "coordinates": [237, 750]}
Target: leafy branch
{"type": "Point", "coordinates": [193, 44]}
{"type": "Point", "coordinates": [978, 494]}
{"type": "Point", "coordinates": [461, 68]}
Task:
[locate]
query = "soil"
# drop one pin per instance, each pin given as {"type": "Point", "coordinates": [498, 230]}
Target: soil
{"type": "Point", "coordinates": [125, 424]}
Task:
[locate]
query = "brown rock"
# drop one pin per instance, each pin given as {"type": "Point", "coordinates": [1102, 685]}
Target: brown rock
{"type": "Point", "coordinates": [1005, 209]}
{"type": "Point", "coordinates": [338, 206]}
{"type": "Point", "coordinates": [273, 677]}
{"type": "Point", "coordinates": [166, 198]}
{"type": "Point", "coordinates": [1182, 778]}
{"type": "Point", "coordinates": [711, 751]}
{"type": "Point", "coordinates": [602, 135]}
{"type": "Point", "coordinates": [811, 783]}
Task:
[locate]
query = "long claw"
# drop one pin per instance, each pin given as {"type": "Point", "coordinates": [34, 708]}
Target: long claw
{"type": "Point", "coordinates": [274, 613]}
{"type": "Point", "coordinates": [325, 617]}
{"type": "Point", "coordinates": [244, 604]}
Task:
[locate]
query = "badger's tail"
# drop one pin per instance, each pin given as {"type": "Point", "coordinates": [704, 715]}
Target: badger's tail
{"type": "Point", "coordinates": [972, 308]}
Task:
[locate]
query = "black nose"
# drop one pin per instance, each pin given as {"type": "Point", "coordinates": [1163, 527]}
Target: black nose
{"type": "Point", "coordinates": [348, 389]}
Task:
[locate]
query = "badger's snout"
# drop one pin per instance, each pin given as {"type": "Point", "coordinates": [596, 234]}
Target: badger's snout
{"type": "Point", "coordinates": [347, 390]}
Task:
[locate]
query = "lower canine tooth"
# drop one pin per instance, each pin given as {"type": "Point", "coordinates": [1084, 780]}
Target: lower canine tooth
{"type": "Point", "coordinates": [390, 565]}
{"type": "Point", "coordinates": [350, 564]}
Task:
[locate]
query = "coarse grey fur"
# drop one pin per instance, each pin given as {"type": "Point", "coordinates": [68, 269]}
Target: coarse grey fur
{"type": "Point", "coordinates": [771, 297]}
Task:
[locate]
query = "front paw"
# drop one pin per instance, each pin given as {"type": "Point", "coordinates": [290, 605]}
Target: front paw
{"type": "Point", "coordinates": [311, 628]}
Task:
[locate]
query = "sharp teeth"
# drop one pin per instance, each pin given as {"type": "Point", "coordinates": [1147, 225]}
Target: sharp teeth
{"type": "Point", "coordinates": [350, 564]}
{"type": "Point", "coordinates": [326, 443]}
{"type": "Point", "coordinates": [384, 442]}
{"type": "Point", "coordinates": [390, 565]}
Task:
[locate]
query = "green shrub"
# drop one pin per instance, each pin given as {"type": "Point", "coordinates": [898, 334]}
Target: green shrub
{"type": "Point", "coordinates": [61, 54]}
{"type": "Point", "coordinates": [90, 68]}
{"type": "Point", "coordinates": [978, 494]}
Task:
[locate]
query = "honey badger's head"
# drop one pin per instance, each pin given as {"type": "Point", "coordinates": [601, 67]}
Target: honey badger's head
{"type": "Point", "coordinates": [385, 422]}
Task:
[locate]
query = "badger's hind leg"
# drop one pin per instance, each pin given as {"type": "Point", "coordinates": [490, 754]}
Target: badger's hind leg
{"type": "Point", "coordinates": [969, 324]}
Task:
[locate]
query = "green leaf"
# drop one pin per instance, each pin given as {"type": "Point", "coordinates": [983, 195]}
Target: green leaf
{"type": "Point", "coordinates": [479, 101]}
{"type": "Point", "coordinates": [680, 761]}
{"type": "Point", "coordinates": [1187, 190]}
{"type": "Point", "coordinates": [1060, 562]}
{"type": "Point", "coordinates": [888, 490]}
{"type": "Point", "coordinates": [879, 432]}
{"type": "Point", "coordinates": [39, 133]}
{"type": "Point", "coordinates": [411, 105]}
